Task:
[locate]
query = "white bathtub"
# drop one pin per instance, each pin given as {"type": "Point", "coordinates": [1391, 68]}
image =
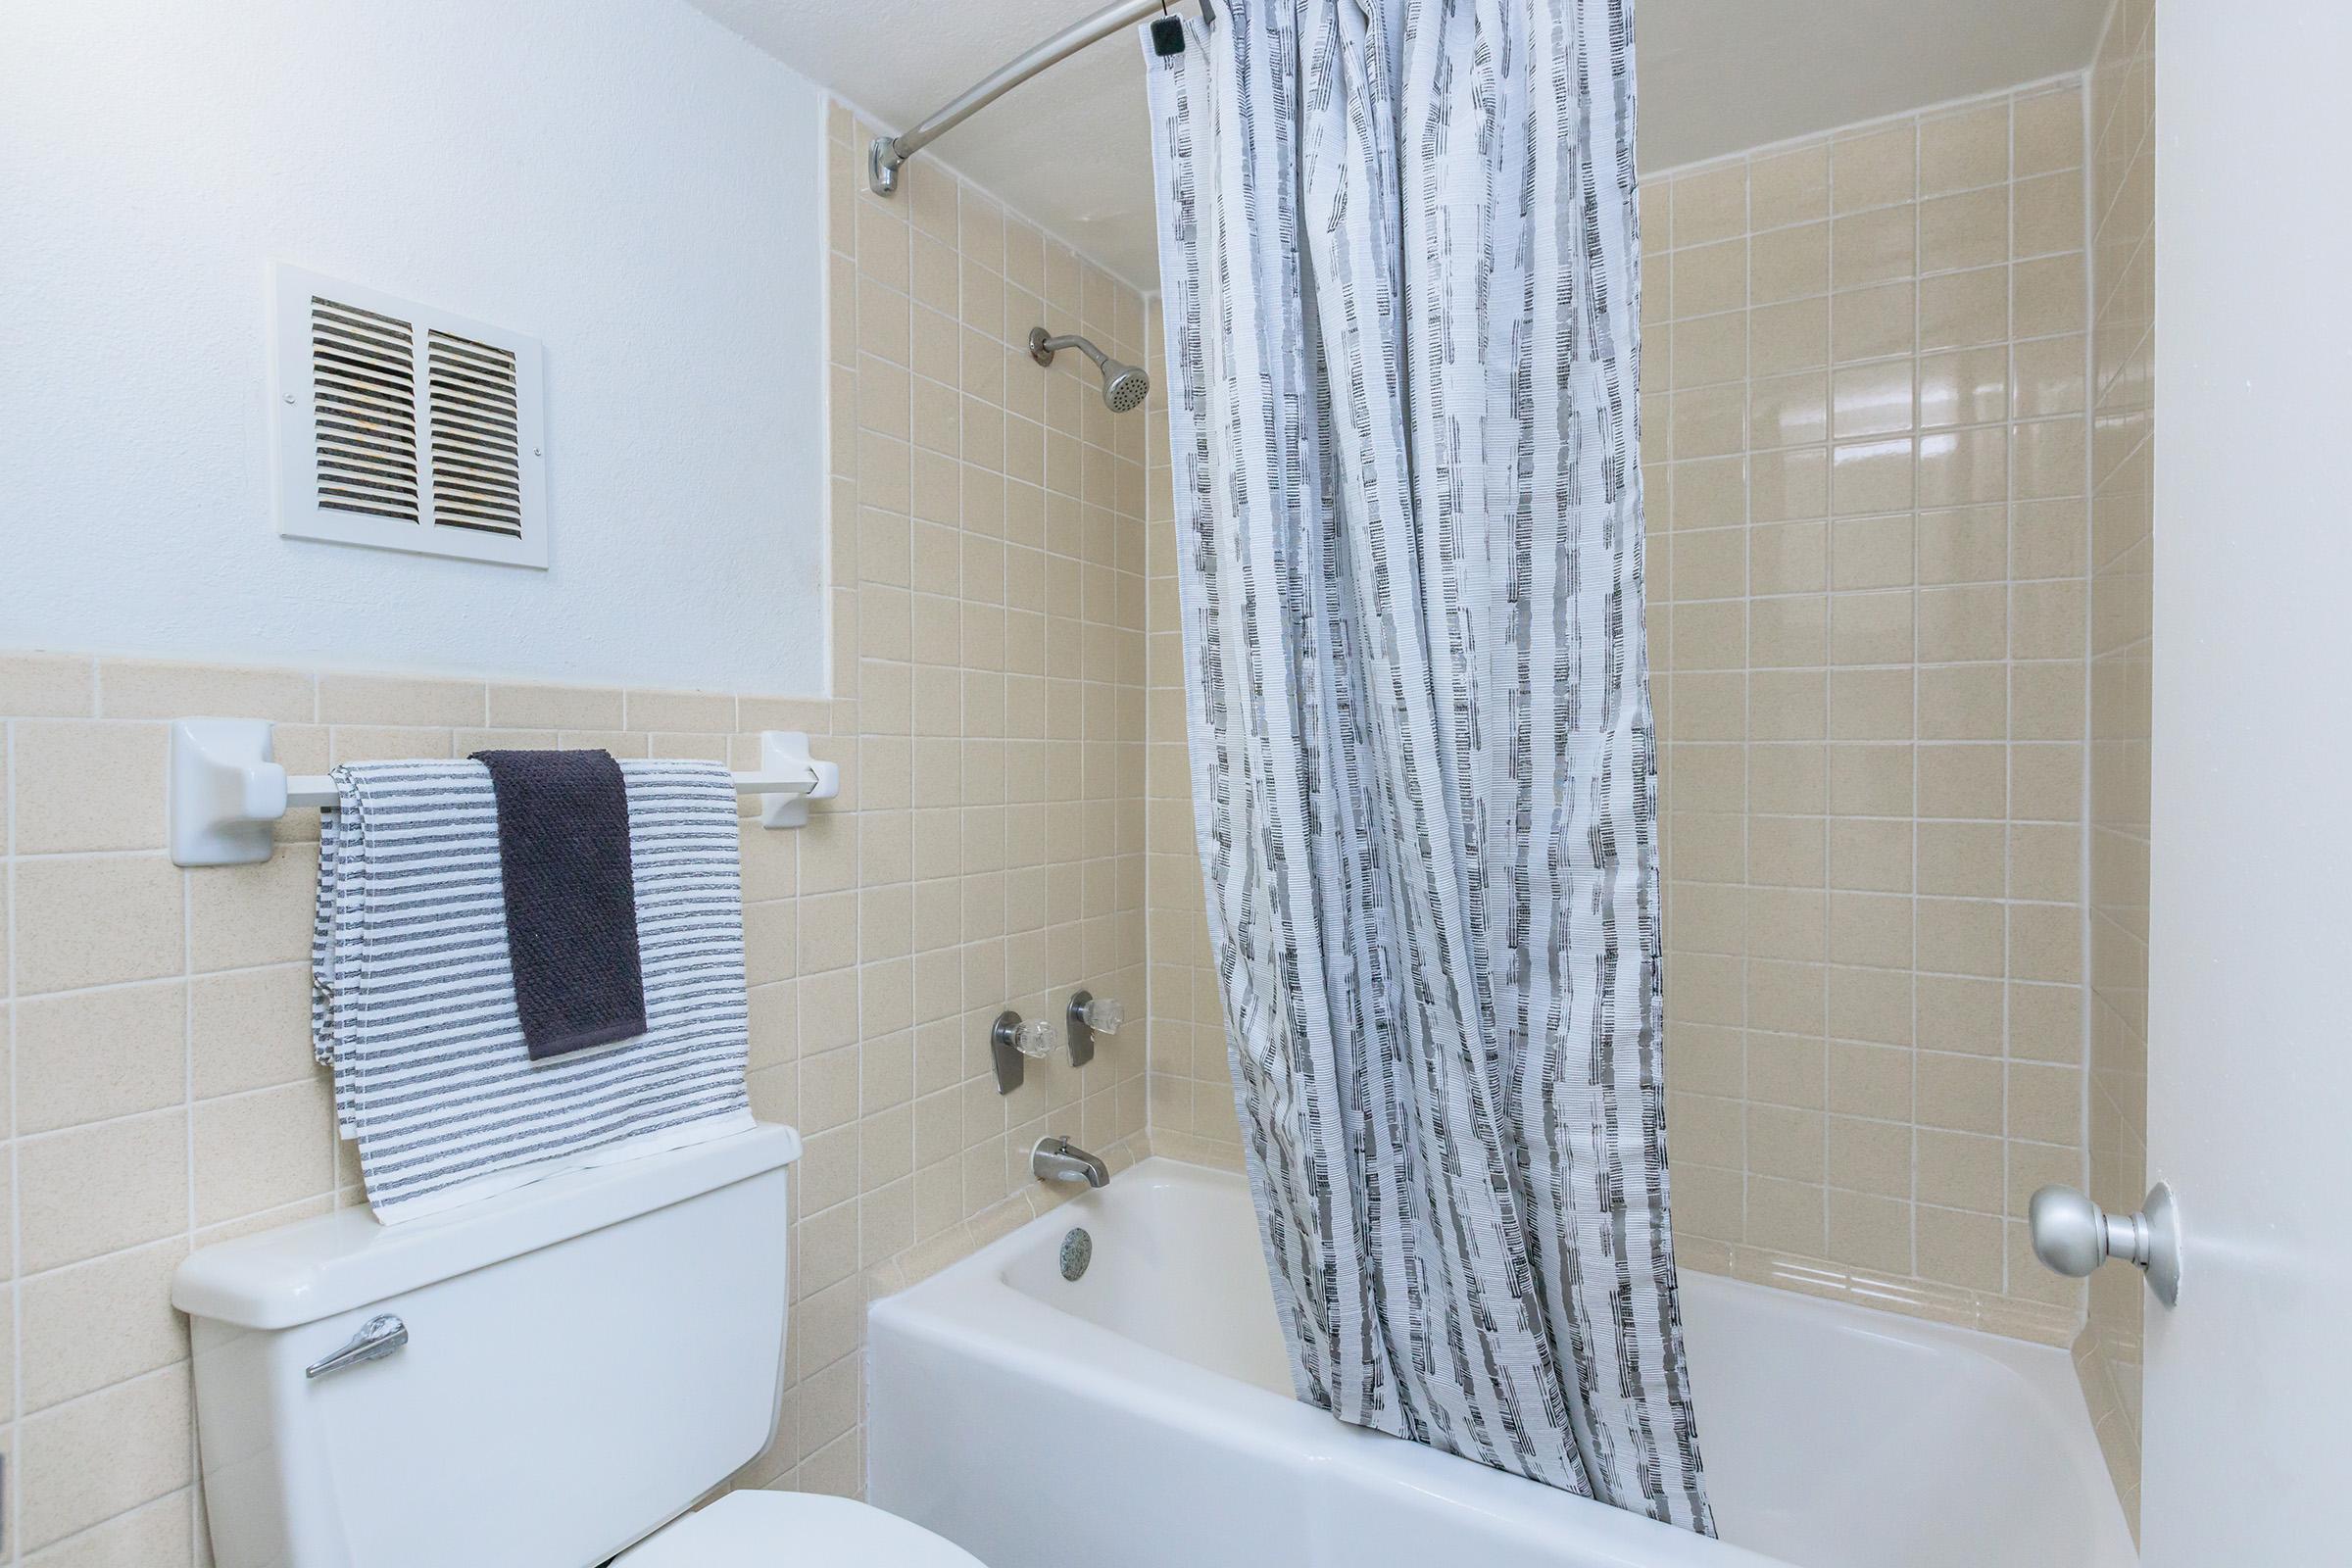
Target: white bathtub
{"type": "Point", "coordinates": [1140, 1417]}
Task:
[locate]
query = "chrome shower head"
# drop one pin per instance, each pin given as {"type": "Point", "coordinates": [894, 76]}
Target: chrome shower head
{"type": "Point", "coordinates": [1124, 386]}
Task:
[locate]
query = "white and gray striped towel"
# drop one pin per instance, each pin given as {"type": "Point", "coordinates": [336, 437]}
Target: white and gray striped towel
{"type": "Point", "coordinates": [412, 1000]}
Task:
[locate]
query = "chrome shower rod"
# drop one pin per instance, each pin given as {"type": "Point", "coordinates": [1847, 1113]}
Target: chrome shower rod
{"type": "Point", "coordinates": [887, 153]}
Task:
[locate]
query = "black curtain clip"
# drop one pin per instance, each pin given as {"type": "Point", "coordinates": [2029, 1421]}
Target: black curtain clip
{"type": "Point", "coordinates": [1168, 33]}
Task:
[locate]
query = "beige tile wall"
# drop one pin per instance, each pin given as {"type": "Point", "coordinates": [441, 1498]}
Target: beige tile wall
{"type": "Point", "coordinates": [987, 610]}
{"type": "Point", "coordinates": [1191, 1089]}
{"type": "Point", "coordinates": [987, 848]}
{"type": "Point", "coordinates": [2122, 172]}
{"type": "Point", "coordinates": [1863, 438]}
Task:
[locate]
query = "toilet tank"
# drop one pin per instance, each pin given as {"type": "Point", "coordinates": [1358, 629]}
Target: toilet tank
{"type": "Point", "coordinates": [585, 1357]}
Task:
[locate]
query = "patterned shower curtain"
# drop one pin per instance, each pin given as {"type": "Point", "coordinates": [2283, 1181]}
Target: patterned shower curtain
{"type": "Point", "coordinates": [1399, 257]}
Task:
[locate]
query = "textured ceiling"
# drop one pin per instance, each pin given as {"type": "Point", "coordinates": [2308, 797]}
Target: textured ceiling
{"type": "Point", "coordinates": [1070, 149]}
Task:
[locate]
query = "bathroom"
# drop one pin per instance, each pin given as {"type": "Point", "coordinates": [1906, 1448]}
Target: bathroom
{"type": "Point", "coordinates": [871, 429]}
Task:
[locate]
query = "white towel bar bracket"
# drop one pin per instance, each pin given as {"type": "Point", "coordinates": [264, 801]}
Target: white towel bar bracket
{"type": "Point", "coordinates": [226, 787]}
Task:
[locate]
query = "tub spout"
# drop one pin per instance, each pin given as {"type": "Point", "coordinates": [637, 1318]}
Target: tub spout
{"type": "Point", "coordinates": [1058, 1159]}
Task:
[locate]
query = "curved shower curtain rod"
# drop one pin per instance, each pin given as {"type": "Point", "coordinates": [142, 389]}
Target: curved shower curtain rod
{"type": "Point", "coordinates": [887, 153]}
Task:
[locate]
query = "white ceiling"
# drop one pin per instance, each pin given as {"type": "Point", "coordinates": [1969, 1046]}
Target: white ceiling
{"type": "Point", "coordinates": [1070, 148]}
{"type": "Point", "coordinates": [1719, 76]}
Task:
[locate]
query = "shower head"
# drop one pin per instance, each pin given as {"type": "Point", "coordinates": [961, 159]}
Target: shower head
{"type": "Point", "coordinates": [1124, 386]}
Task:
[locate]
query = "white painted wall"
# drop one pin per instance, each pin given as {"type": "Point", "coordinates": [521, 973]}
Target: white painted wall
{"type": "Point", "coordinates": [625, 179]}
{"type": "Point", "coordinates": [2248, 1423]}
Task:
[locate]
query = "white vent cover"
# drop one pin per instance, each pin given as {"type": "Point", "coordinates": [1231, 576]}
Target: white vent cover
{"type": "Point", "coordinates": [403, 426]}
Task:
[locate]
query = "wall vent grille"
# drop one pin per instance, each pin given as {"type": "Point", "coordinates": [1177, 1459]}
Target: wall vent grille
{"type": "Point", "coordinates": [405, 427]}
{"type": "Point", "coordinates": [477, 468]}
{"type": "Point", "coordinates": [364, 410]}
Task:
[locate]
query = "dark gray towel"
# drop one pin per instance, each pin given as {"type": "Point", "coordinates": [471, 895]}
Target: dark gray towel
{"type": "Point", "coordinates": [572, 899]}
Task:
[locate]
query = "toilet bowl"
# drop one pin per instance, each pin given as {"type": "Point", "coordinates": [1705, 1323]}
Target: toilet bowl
{"type": "Point", "coordinates": [543, 1379]}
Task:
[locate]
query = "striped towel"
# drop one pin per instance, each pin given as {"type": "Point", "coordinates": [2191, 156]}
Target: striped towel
{"type": "Point", "coordinates": [413, 1001]}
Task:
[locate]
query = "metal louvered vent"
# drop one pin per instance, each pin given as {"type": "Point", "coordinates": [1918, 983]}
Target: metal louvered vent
{"type": "Point", "coordinates": [405, 427]}
{"type": "Point", "coordinates": [477, 476]}
{"type": "Point", "coordinates": [364, 410]}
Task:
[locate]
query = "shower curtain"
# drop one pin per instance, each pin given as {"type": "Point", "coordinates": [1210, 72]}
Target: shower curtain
{"type": "Point", "coordinates": [1400, 263]}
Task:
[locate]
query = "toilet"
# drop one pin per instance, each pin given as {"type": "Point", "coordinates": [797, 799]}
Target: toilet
{"type": "Point", "coordinates": [548, 1378]}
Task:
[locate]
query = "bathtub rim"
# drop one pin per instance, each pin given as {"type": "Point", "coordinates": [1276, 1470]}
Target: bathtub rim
{"type": "Point", "coordinates": [971, 1308]}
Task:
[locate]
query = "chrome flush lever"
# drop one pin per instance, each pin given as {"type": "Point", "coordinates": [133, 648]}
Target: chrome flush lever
{"type": "Point", "coordinates": [377, 1338]}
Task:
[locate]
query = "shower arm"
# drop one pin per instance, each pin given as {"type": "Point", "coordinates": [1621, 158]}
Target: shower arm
{"type": "Point", "coordinates": [1042, 349]}
{"type": "Point", "coordinates": [887, 153]}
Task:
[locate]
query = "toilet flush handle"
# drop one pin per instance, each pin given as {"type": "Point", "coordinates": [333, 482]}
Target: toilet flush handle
{"type": "Point", "coordinates": [377, 1338]}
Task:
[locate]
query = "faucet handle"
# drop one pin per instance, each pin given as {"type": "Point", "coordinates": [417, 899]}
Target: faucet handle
{"type": "Point", "coordinates": [1011, 1043]}
{"type": "Point", "coordinates": [1089, 1015]}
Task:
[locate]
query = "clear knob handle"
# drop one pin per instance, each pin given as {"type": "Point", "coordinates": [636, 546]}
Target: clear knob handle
{"type": "Point", "coordinates": [1091, 1016]}
{"type": "Point", "coordinates": [1033, 1039]}
{"type": "Point", "coordinates": [1011, 1043]}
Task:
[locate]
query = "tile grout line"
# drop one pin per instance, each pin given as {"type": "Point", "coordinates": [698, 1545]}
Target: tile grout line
{"type": "Point", "coordinates": [13, 1512]}
{"type": "Point", "coordinates": [2085, 885]}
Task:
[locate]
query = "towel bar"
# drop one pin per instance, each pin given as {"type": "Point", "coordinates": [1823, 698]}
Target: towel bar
{"type": "Point", "coordinates": [226, 787]}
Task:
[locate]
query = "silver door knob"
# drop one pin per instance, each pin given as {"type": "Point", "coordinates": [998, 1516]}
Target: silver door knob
{"type": "Point", "coordinates": [2074, 1236]}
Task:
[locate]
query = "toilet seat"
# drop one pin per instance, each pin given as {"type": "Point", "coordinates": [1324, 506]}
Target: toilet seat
{"type": "Point", "coordinates": [787, 1529]}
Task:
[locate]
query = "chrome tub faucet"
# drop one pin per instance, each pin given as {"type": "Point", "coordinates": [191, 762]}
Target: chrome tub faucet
{"type": "Point", "coordinates": [1056, 1159]}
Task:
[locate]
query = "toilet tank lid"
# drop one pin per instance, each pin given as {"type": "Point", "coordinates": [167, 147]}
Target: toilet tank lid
{"type": "Point", "coordinates": [315, 1268]}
